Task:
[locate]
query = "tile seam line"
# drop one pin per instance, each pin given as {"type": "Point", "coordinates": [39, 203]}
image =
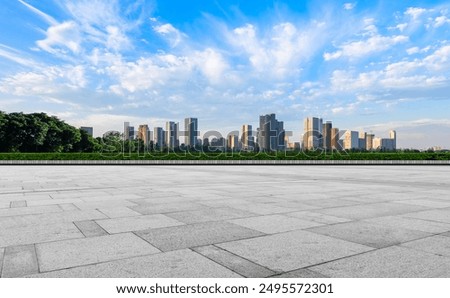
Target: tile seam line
{"type": "Point", "coordinates": [214, 261]}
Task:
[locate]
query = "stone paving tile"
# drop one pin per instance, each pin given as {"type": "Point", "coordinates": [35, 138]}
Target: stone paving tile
{"type": "Point", "coordinates": [300, 273]}
{"type": "Point", "coordinates": [147, 209]}
{"type": "Point", "coordinates": [78, 252]}
{"type": "Point", "coordinates": [271, 224]}
{"type": "Point", "coordinates": [49, 218]}
{"type": "Point", "coordinates": [104, 204]}
{"type": "Point", "coordinates": [411, 223]}
{"type": "Point", "coordinates": [53, 202]}
{"type": "Point", "coordinates": [210, 214]}
{"type": "Point", "coordinates": [174, 264]}
{"type": "Point", "coordinates": [371, 210]}
{"type": "Point", "coordinates": [330, 202]}
{"type": "Point", "coordinates": [317, 217]}
{"type": "Point", "coordinates": [68, 207]}
{"type": "Point", "coordinates": [439, 245]}
{"type": "Point", "coordinates": [441, 215]}
{"type": "Point", "coordinates": [2, 254]}
{"type": "Point", "coordinates": [90, 228]}
{"type": "Point", "coordinates": [446, 234]}
{"type": "Point", "coordinates": [5, 204]}
{"type": "Point", "coordinates": [137, 223]}
{"type": "Point", "coordinates": [29, 210]}
{"type": "Point", "coordinates": [369, 234]}
{"type": "Point", "coordinates": [120, 211]}
{"type": "Point", "coordinates": [393, 262]}
{"type": "Point", "coordinates": [261, 209]}
{"type": "Point", "coordinates": [19, 261]}
{"type": "Point", "coordinates": [18, 204]}
{"type": "Point", "coordinates": [292, 250]}
{"type": "Point", "coordinates": [193, 235]}
{"type": "Point", "coordinates": [38, 233]}
{"type": "Point", "coordinates": [296, 205]}
{"type": "Point", "coordinates": [235, 263]}
{"type": "Point", "coordinates": [433, 203]}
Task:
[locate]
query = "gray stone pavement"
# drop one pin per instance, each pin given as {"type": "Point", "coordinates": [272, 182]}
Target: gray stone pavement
{"type": "Point", "coordinates": [224, 221]}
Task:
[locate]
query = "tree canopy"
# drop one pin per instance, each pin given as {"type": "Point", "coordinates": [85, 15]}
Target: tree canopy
{"type": "Point", "coordinates": [39, 132]}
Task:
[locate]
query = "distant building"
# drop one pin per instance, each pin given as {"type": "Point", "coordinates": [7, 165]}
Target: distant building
{"type": "Point", "coordinates": [312, 133]}
{"type": "Point", "coordinates": [143, 134]}
{"type": "Point", "coordinates": [271, 133]}
{"type": "Point", "coordinates": [233, 142]}
{"type": "Point", "coordinates": [191, 130]}
{"type": "Point", "coordinates": [247, 140]}
{"type": "Point", "coordinates": [389, 144]}
{"type": "Point", "coordinates": [351, 140]}
{"type": "Point", "coordinates": [393, 137]}
{"type": "Point", "coordinates": [172, 140]}
{"type": "Point", "coordinates": [89, 130]}
{"type": "Point", "coordinates": [158, 137]}
{"type": "Point", "coordinates": [362, 140]}
{"type": "Point", "coordinates": [126, 131]}
{"type": "Point", "coordinates": [369, 141]}
{"type": "Point", "coordinates": [327, 135]}
{"type": "Point", "coordinates": [335, 144]}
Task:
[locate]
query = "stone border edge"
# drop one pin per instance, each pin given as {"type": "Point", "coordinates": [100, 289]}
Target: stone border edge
{"type": "Point", "coordinates": [224, 162]}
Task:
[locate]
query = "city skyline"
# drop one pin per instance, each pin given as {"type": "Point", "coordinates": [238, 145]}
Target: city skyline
{"type": "Point", "coordinates": [371, 66]}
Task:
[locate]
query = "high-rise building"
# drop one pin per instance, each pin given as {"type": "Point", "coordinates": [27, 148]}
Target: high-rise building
{"type": "Point", "coordinates": [369, 141]}
{"type": "Point", "coordinates": [143, 134]}
{"type": "Point", "coordinates": [247, 140]}
{"type": "Point", "coordinates": [172, 140]}
{"type": "Point", "coordinates": [158, 134]}
{"type": "Point", "coordinates": [393, 137]}
{"type": "Point", "coordinates": [191, 131]}
{"type": "Point", "coordinates": [351, 140]}
{"type": "Point", "coordinates": [89, 130]}
{"type": "Point", "coordinates": [126, 131]}
{"type": "Point", "coordinates": [271, 133]}
{"type": "Point", "coordinates": [233, 142]}
{"type": "Point", "coordinates": [327, 135]}
{"type": "Point", "coordinates": [335, 144]}
{"type": "Point", "coordinates": [362, 140]}
{"type": "Point", "coordinates": [312, 136]}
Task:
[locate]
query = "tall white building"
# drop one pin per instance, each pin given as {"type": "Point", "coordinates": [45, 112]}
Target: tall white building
{"type": "Point", "coordinates": [171, 138]}
{"type": "Point", "coordinates": [312, 133]}
{"type": "Point", "coordinates": [351, 140]}
{"type": "Point", "coordinates": [247, 139]}
{"type": "Point", "coordinates": [191, 130]}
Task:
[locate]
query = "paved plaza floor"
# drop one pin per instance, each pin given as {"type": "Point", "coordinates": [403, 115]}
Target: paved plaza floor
{"type": "Point", "coordinates": [224, 221]}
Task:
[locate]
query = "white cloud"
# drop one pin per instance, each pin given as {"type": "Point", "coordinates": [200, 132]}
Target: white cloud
{"type": "Point", "coordinates": [415, 12]}
{"type": "Point", "coordinates": [173, 35]}
{"type": "Point", "coordinates": [441, 21]}
{"type": "Point", "coordinates": [16, 56]}
{"type": "Point", "coordinates": [349, 6]}
{"type": "Point", "coordinates": [402, 26]}
{"type": "Point", "coordinates": [363, 48]}
{"type": "Point", "coordinates": [60, 36]}
{"type": "Point", "coordinates": [50, 20]}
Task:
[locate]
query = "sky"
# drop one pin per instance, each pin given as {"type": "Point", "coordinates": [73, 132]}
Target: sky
{"type": "Point", "coordinates": [365, 65]}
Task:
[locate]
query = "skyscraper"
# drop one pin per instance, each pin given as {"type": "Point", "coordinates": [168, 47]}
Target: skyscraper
{"type": "Point", "coordinates": [126, 131]}
{"type": "Point", "coordinates": [143, 134]}
{"type": "Point", "coordinates": [335, 144]}
{"type": "Point", "coordinates": [233, 142]}
{"type": "Point", "coordinates": [312, 137]}
{"type": "Point", "coordinates": [191, 130]}
{"type": "Point", "coordinates": [393, 137]}
{"type": "Point", "coordinates": [247, 140]}
{"type": "Point", "coordinates": [369, 141]}
{"type": "Point", "coordinates": [327, 135]}
{"type": "Point", "coordinates": [362, 140]}
{"type": "Point", "coordinates": [88, 130]}
{"type": "Point", "coordinates": [351, 140]}
{"type": "Point", "coordinates": [158, 134]}
{"type": "Point", "coordinates": [172, 140]}
{"type": "Point", "coordinates": [271, 134]}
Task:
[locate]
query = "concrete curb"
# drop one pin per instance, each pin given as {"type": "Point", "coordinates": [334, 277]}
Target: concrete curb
{"type": "Point", "coordinates": [224, 162]}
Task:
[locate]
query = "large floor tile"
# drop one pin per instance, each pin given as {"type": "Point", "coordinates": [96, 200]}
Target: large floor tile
{"type": "Point", "coordinates": [275, 223]}
{"type": "Point", "coordinates": [292, 250]}
{"type": "Point", "coordinates": [175, 264]}
{"type": "Point", "coordinates": [19, 261]}
{"type": "Point", "coordinates": [209, 214]}
{"type": "Point", "coordinates": [396, 262]}
{"type": "Point", "coordinates": [439, 245]}
{"type": "Point", "coordinates": [137, 223]}
{"type": "Point", "coordinates": [78, 252]}
{"type": "Point", "coordinates": [200, 234]}
{"type": "Point", "coordinates": [369, 234]}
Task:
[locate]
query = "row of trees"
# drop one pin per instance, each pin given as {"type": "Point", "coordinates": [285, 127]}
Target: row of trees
{"type": "Point", "coordinates": [39, 132]}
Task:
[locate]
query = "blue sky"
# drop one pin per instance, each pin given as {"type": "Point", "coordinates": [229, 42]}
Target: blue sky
{"type": "Point", "coordinates": [370, 65]}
